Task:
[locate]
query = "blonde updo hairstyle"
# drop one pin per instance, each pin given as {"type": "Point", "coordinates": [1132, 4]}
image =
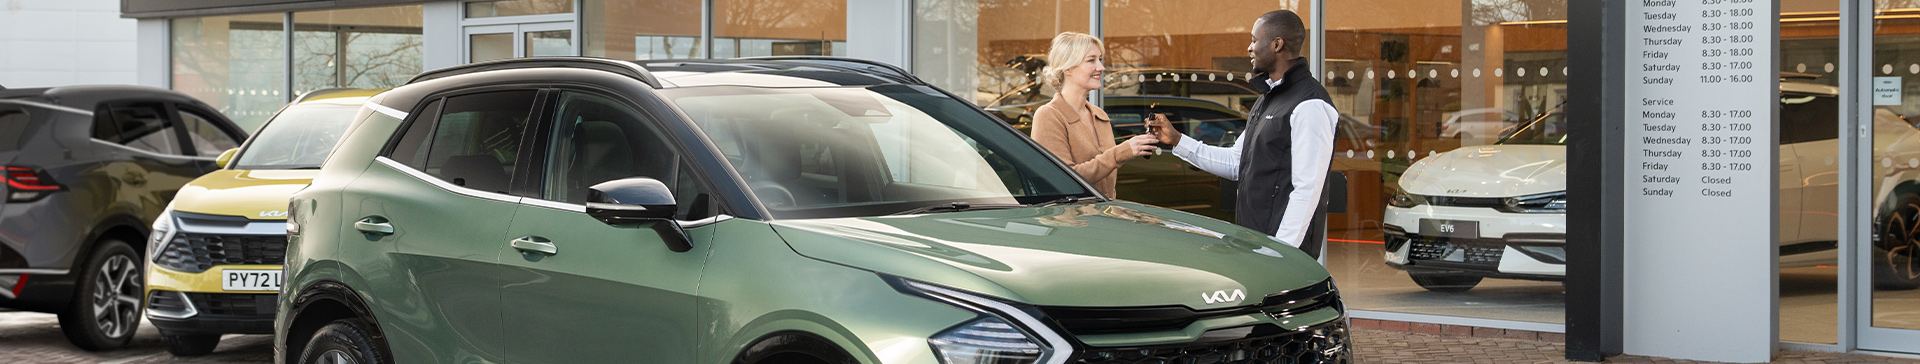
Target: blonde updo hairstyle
{"type": "Point", "coordinates": [1068, 49]}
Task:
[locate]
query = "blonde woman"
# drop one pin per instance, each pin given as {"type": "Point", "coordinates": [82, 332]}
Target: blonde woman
{"type": "Point", "coordinates": [1072, 128]}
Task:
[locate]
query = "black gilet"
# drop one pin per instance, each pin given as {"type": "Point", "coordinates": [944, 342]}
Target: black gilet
{"type": "Point", "coordinates": [1266, 158]}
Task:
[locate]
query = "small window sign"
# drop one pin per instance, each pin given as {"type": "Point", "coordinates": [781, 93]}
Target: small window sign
{"type": "Point", "coordinates": [1886, 91]}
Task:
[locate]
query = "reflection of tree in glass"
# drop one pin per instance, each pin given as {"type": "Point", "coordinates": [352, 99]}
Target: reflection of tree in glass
{"type": "Point", "coordinates": [1489, 12]}
{"type": "Point", "coordinates": [373, 59]}
{"type": "Point", "coordinates": [1896, 4]}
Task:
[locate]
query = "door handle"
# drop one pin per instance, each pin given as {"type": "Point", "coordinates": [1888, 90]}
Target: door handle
{"type": "Point", "coordinates": [373, 225]}
{"type": "Point", "coordinates": [535, 244]}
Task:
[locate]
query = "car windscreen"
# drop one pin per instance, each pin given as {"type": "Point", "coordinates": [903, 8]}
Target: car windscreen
{"type": "Point", "coordinates": [300, 137]}
{"type": "Point", "coordinates": [1549, 129]}
{"type": "Point", "coordinates": [852, 151]}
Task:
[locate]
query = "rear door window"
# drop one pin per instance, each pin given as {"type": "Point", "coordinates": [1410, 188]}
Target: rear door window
{"type": "Point", "coordinates": [475, 140]}
{"type": "Point", "coordinates": [138, 125]}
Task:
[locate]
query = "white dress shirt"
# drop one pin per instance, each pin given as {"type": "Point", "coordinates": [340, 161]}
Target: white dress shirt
{"type": "Point", "coordinates": [1313, 123]}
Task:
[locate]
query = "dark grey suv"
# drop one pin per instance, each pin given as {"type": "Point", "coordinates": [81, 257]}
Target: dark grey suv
{"type": "Point", "coordinates": [86, 169]}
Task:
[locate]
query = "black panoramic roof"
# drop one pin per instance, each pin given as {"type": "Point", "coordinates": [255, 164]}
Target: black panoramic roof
{"type": "Point", "coordinates": [761, 71]}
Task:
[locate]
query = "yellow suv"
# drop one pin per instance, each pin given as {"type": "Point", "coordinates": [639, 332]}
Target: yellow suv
{"type": "Point", "coordinates": [217, 249]}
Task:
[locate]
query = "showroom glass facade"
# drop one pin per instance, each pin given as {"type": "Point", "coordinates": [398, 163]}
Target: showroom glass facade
{"type": "Point", "coordinates": [356, 48]}
{"type": "Point", "coordinates": [748, 28]}
{"type": "Point", "coordinates": [247, 65]}
{"type": "Point", "coordinates": [1464, 95]}
{"type": "Point", "coordinates": [1399, 71]}
{"type": "Point", "coordinates": [234, 63]}
{"type": "Point", "coordinates": [1893, 264]}
{"type": "Point", "coordinates": [1809, 127]}
{"type": "Point", "coordinates": [1418, 83]}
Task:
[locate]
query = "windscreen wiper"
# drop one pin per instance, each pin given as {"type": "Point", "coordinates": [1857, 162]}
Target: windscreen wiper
{"type": "Point", "coordinates": [955, 206]}
{"type": "Point", "coordinates": [1066, 200]}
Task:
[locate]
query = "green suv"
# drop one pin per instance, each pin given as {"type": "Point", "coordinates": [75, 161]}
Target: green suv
{"type": "Point", "coordinates": [777, 210]}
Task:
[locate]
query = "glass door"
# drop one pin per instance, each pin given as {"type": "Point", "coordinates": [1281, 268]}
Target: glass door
{"type": "Point", "coordinates": [1886, 263]}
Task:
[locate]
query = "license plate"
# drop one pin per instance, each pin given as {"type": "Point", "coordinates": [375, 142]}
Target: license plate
{"type": "Point", "coordinates": [251, 280]}
{"type": "Point", "coordinates": [1450, 228]}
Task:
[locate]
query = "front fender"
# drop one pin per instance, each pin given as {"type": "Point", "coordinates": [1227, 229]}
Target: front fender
{"type": "Point", "coordinates": [769, 289]}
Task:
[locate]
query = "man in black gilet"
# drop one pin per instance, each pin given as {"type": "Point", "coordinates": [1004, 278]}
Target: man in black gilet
{"type": "Point", "coordinates": [1282, 158]}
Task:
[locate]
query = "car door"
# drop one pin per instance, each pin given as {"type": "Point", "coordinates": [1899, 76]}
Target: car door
{"type": "Point", "coordinates": [144, 158]}
{"type": "Point", "coordinates": [429, 214]}
{"type": "Point", "coordinates": [576, 290]}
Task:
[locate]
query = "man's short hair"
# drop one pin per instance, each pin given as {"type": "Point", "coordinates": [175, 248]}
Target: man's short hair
{"type": "Point", "coordinates": [1287, 26]}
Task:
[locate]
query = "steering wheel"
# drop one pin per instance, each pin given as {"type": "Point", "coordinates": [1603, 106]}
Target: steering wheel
{"type": "Point", "coordinates": [772, 194]}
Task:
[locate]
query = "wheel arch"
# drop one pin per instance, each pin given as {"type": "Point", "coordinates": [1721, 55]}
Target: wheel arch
{"type": "Point", "coordinates": [323, 302]}
{"type": "Point", "coordinates": [792, 346]}
{"type": "Point", "coordinates": [123, 227]}
{"type": "Point", "coordinates": [780, 331]}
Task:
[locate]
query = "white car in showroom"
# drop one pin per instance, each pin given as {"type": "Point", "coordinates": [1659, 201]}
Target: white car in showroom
{"type": "Point", "coordinates": [1499, 210]}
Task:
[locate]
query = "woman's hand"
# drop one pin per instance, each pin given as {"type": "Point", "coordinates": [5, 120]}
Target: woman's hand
{"type": "Point", "coordinates": [1142, 145]}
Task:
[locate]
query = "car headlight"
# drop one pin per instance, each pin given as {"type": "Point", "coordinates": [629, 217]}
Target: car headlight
{"type": "Point", "coordinates": [985, 340]}
{"type": "Point", "coordinates": [1403, 199]}
{"type": "Point", "coordinates": [162, 232]}
{"type": "Point", "coordinates": [1003, 334]}
{"type": "Point", "coordinates": [1554, 202]}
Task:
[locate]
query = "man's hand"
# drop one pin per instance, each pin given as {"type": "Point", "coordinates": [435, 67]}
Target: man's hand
{"type": "Point", "coordinates": [1161, 128]}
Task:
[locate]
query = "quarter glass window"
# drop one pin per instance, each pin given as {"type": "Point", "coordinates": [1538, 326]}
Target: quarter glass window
{"type": "Point", "coordinates": [208, 140]}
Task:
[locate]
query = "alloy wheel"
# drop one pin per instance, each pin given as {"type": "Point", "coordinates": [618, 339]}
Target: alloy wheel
{"type": "Point", "coordinates": [337, 356]}
{"type": "Point", "coordinates": [116, 296]}
{"type": "Point", "coordinates": [1904, 243]}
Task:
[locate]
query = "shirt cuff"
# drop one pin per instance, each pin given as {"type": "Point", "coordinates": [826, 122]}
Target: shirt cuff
{"type": "Point", "coordinates": [1187, 146]}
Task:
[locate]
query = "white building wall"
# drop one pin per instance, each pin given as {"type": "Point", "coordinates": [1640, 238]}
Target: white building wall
{"type": "Point", "coordinates": [66, 42]}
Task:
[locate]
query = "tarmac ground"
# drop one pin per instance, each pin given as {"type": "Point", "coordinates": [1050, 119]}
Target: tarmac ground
{"type": "Point", "coordinates": [27, 337]}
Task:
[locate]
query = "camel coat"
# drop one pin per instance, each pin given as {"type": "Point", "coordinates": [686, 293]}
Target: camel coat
{"type": "Point", "coordinates": [1082, 139]}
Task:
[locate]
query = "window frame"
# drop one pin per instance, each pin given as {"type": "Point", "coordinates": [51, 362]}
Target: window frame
{"type": "Point", "coordinates": [418, 113]}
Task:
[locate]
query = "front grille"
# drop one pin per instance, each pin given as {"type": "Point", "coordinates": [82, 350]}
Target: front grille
{"type": "Point", "coordinates": [194, 253]}
{"type": "Point", "coordinates": [234, 304]}
{"type": "Point", "coordinates": [1327, 343]}
{"type": "Point", "coordinates": [1466, 201]}
{"type": "Point", "coordinates": [1124, 320]}
{"type": "Point", "coordinates": [1473, 251]}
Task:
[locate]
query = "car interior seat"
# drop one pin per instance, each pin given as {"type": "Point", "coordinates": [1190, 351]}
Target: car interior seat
{"type": "Point", "coordinates": [477, 171]}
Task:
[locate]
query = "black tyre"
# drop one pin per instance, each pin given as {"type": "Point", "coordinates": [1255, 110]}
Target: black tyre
{"type": "Point", "coordinates": [1896, 260]}
{"type": "Point", "coordinates": [1444, 282]}
{"type": "Point", "coordinates": [344, 341]}
{"type": "Point", "coordinates": [190, 345]}
{"type": "Point", "coordinates": [794, 349]}
{"type": "Point", "coordinates": [106, 306]}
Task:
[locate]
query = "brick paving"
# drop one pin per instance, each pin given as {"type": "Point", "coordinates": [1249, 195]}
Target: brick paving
{"type": "Point", "coordinates": [1384, 346]}
{"type": "Point", "coordinates": [35, 338]}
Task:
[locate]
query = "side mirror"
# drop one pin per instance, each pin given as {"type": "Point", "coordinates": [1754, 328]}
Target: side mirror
{"type": "Point", "coordinates": [225, 157]}
{"type": "Point", "coordinates": [631, 202]}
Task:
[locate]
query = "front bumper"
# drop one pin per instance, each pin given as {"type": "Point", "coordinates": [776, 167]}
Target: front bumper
{"type": "Point", "coordinates": [177, 313]}
{"type": "Point", "coordinates": [1325, 343]}
{"type": "Point", "coordinates": [1508, 245]}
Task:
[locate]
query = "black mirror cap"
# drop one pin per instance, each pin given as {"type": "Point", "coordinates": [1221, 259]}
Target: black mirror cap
{"type": "Point", "coordinates": [630, 201]}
